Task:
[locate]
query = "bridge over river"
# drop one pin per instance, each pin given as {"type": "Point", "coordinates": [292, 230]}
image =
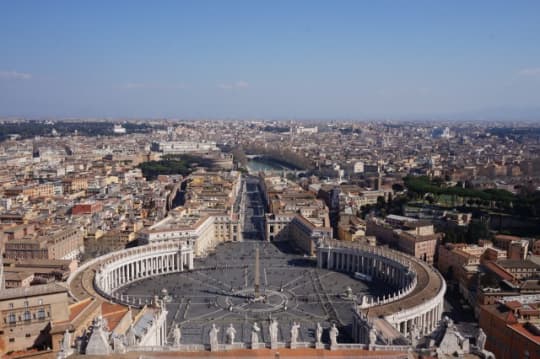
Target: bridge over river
{"type": "Point", "coordinates": [257, 163]}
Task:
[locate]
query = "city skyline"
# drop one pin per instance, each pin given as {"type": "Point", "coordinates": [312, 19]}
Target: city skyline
{"type": "Point", "coordinates": [348, 60]}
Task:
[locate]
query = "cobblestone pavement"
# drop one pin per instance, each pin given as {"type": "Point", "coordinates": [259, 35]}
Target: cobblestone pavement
{"type": "Point", "coordinates": [220, 288]}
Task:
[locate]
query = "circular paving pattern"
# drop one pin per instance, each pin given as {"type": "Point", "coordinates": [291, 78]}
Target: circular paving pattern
{"type": "Point", "coordinates": [242, 301]}
{"type": "Point", "coordinates": [221, 290]}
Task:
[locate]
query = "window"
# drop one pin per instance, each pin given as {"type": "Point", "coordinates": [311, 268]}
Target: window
{"type": "Point", "coordinates": [41, 314]}
{"type": "Point", "coordinates": [27, 315]}
{"type": "Point", "coordinates": [11, 340]}
{"type": "Point", "coordinates": [10, 305]}
{"type": "Point", "coordinates": [12, 318]}
{"type": "Point", "coordinates": [40, 301]}
{"type": "Point", "coordinates": [26, 303]}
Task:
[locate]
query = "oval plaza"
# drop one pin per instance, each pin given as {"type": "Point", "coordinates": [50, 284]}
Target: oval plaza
{"type": "Point", "coordinates": [214, 281]}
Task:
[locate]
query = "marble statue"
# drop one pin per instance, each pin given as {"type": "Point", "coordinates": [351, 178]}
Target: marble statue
{"type": "Point", "coordinates": [294, 332]}
{"type": "Point", "coordinates": [214, 336]}
{"type": "Point", "coordinates": [413, 335]}
{"type": "Point", "coordinates": [372, 336]}
{"type": "Point", "coordinates": [334, 332]}
{"type": "Point", "coordinates": [177, 335]}
{"type": "Point", "coordinates": [65, 345]}
{"type": "Point", "coordinates": [481, 340]}
{"type": "Point", "coordinates": [318, 332]}
{"type": "Point", "coordinates": [118, 344]}
{"type": "Point", "coordinates": [104, 324]}
{"type": "Point", "coordinates": [255, 334]}
{"type": "Point", "coordinates": [98, 342]}
{"type": "Point", "coordinates": [131, 339]}
{"type": "Point", "coordinates": [273, 329]}
{"type": "Point", "coordinates": [230, 333]}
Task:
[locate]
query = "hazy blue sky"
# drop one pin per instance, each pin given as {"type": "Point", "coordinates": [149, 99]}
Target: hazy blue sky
{"type": "Point", "coordinates": [270, 59]}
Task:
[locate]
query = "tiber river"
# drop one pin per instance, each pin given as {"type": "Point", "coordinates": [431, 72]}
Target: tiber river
{"type": "Point", "coordinates": [259, 164]}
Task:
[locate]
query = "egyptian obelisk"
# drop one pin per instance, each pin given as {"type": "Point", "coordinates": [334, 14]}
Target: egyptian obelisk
{"type": "Point", "coordinates": [257, 282]}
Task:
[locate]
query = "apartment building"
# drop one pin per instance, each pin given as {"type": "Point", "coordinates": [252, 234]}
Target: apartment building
{"type": "Point", "coordinates": [412, 236]}
{"type": "Point", "coordinates": [55, 243]}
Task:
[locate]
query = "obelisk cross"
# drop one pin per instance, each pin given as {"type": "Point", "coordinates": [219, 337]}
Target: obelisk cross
{"type": "Point", "coordinates": [257, 270]}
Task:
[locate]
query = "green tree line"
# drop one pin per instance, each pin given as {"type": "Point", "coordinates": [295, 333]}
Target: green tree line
{"type": "Point", "coordinates": [173, 165]}
{"type": "Point", "coordinates": [526, 203]}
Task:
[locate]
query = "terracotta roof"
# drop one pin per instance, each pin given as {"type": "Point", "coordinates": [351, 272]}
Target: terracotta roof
{"type": "Point", "coordinates": [113, 313]}
{"type": "Point", "coordinates": [518, 327]}
{"type": "Point", "coordinates": [77, 308]}
{"type": "Point", "coordinates": [506, 237]}
{"type": "Point", "coordinates": [496, 269]}
{"type": "Point", "coordinates": [517, 263]}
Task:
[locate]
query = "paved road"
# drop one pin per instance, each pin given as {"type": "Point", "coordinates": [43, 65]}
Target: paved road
{"type": "Point", "coordinates": [254, 211]}
{"type": "Point", "coordinates": [462, 315]}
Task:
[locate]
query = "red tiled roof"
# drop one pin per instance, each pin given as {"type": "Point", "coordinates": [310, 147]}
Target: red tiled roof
{"type": "Point", "coordinates": [518, 327]}
{"type": "Point", "coordinates": [113, 313]}
{"type": "Point", "coordinates": [496, 269]}
{"type": "Point", "coordinates": [77, 308]}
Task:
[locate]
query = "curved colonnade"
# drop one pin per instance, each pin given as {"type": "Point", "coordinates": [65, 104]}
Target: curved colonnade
{"type": "Point", "coordinates": [415, 307]}
{"type": "Point", "coordinates": [117, 269]}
